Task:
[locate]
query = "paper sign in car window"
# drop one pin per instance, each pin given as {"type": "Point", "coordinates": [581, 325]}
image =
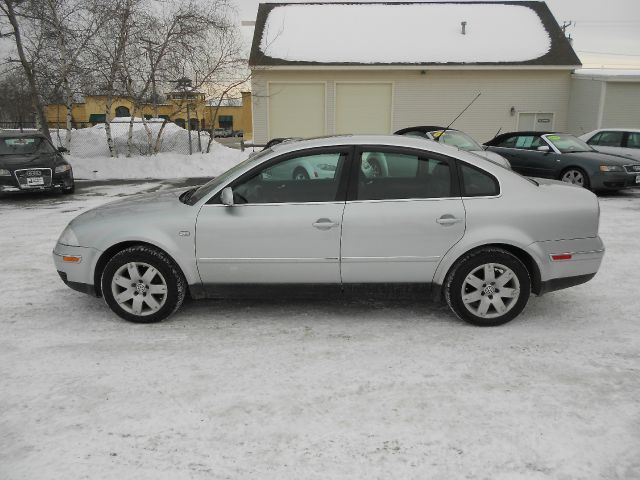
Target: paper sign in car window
{"type": "Point", "coordinates": [524, 142]}
{"type": "Point", "coordinates": [19, 141]}
{"type": "Point", "coordinates": [553, 137]}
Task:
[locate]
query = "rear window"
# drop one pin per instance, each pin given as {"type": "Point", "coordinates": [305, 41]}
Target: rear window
{"type": "Point", "coordinates": [478, 183]}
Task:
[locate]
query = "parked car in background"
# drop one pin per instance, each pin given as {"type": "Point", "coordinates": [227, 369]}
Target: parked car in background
{"type": "Point", "coordinates": [455, 138]}
{"type": "Point", "coordinates": [30, 163]}
{"type": "Point", "coordinates": [564, 157]}
{"type": "Point", "coordinates": [222, 132]}
{"type": "Point", "coordinates": [619, 141]}
{"type": "Point", "coordinates": [435, 220]}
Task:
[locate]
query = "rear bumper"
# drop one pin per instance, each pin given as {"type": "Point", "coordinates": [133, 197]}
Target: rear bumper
{"type": "Point", "coordinates": [566, 263]}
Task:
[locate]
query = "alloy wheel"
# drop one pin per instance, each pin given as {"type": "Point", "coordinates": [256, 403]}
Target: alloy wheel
{"type": "Point", "coordinates": [490, 290]}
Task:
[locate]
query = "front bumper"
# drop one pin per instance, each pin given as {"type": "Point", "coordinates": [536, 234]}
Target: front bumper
{"type": "Point", "coordinates": [614, 180]}
{"type": "Point", "coordinates": [76, 275]}
{"type": "Point", "coordinates": [51, 181]}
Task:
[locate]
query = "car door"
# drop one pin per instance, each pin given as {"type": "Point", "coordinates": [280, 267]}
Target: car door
{"type": "Point", "coordinates": [525, 157]}
{"type": "Point", "coordinates": [279, 230]}
{"type": "Point", "coordinates": [403, 214]}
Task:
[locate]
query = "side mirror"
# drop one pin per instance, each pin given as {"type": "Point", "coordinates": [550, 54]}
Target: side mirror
{"type": "Point", "coordinates": [227, 197]}
{"type": "Point", "coordinates": [62, 150]}
{"type": "Point", "coordinates": [543, 148]}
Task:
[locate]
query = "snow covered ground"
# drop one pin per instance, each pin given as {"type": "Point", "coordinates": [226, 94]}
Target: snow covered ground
{"type": "Point", "coordinates": [313, 389]}
{"type": "Point", "coordinates": [91, 161]}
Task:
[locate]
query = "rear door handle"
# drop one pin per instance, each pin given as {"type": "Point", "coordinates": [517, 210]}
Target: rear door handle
{"type": "Point", "coordinates": [448, 220]}
{"type": "Point", "coordinates": [324, 224]}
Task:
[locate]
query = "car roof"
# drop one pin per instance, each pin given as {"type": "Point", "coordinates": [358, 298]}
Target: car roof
{"type": "Point", "coordinates": [14, 134]}
{"type": "Point", "coordinates": [422, 128]}
{"type": "Point", "coordinates": [382, 140]}
{"type": "Point", "coordinates": [616, 130]}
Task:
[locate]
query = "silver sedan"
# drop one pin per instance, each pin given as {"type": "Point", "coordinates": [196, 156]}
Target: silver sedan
{"type": "Point", "coordinates": [429, 218]}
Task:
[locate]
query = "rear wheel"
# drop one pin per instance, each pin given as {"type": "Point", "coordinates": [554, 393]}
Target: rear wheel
{"type": "Point", "coordinates": [575, 176]}
{"type": "Point", "coordinates": [143, 285]}
{"type": "Point", "coordinates": [488, 287]}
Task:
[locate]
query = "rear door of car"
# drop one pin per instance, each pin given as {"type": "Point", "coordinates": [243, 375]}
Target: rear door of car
{"type": "Point", "coordinates": [402, 215]}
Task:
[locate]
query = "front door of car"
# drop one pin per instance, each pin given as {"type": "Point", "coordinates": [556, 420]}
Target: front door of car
{"type": "Point", "coordinates": [284, 226]}
{"type": "Point", "coordinates": [403, 214]}
{"type": "Point", "coordinates": [526, 159]}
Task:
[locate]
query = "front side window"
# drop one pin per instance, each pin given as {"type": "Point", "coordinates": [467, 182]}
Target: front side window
{"type": "Point", "coordinates": [477, 183]}
{"type": "Point", "coordinates": [528, 142]}
{"type": "Point", "coordinates": [393, 176]}
{"type": "Point", "coordinates": [303, 179]}
{"type": "Point", "coordinates": [606, 139]}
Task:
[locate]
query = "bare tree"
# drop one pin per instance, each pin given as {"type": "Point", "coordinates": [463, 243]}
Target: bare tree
{"type": "Point", "coordinates": [13, 10]}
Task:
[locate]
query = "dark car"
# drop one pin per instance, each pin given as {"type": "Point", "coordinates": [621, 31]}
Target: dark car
{"type": "Point", "coordinates": [455, 138]}
{"type": "Point", "coordinates": [30, 162]}
{"type": "Point", "coordinates": [564, 157]}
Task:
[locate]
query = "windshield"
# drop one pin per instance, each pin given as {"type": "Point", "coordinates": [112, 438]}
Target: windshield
{"type": "Point", "coordinates": [208, 187]}
{"type": "Point", "coordinates": [457, 139]}
{"type": "Point", "coordinates": [24, 145]}
{"type": "Point", "coordinates": [568, 143]}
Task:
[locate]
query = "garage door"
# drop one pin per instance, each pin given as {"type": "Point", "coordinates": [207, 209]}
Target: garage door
{"type": "Point", "coordinates": [363, 107]}
{"type": "Point", "coordinates": [296, 110]}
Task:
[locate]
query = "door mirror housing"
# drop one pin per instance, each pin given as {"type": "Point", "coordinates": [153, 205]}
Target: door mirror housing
{"type": "Point", "coordinates": [62, 150]}
{"type": "Point", "coordinates": [226, 197]}
{"type": "Point", "coordinates": [543, 148]}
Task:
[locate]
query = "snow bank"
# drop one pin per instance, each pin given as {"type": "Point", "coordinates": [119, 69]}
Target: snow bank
{"type": "Point", "coordinates": [90, 155]}
{"type": "Point", "coordinates": [401, 33]}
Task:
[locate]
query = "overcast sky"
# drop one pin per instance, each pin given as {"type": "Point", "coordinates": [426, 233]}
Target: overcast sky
{"type": "Point", "coordinates": [607, 32]}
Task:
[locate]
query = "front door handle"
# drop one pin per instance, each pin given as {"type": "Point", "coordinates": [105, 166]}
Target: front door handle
{"type": "Point", "coordinates": [448, 220]}
{"type": "Point", "coordinates": [324, 224]}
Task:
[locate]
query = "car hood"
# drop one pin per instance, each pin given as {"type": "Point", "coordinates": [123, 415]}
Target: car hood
{"type": "Point", "coordinates": [140, 204]}
{"type": "Point", "coordinates": [26, 161]}
{"type": "Point", "coordinates": [603, 158]}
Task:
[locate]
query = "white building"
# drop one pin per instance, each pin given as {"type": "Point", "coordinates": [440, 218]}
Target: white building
{"type": "Point", "coordinates": [604, 99]}
{"type": "Point", "coordinates": [323, 69]}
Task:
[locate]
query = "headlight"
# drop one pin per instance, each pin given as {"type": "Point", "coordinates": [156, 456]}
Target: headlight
{"type": "Point", "coordinates": [68, 237]}
{"type": "Point", "coordinates": [63, 168]}
{"type": "Point", "coordinates": [611, 168]}
{"type": "Point", "coordinates": [4, 172]}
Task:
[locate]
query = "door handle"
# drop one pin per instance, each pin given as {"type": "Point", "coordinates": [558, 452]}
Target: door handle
{"type": "Point", "coordinates": [324, 224]}
{"type": "Point", "coordinates": [448, 220]}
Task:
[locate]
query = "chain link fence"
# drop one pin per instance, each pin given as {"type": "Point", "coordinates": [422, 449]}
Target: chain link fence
{"type": "Point", "coordinates": [140, 138]}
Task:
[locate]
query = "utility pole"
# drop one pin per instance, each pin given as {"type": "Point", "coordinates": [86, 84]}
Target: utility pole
{"type": "Point", "coordinates": [154, 96]}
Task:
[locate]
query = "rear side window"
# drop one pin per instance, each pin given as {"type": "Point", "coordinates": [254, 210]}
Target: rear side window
{"type": "Point", "coordinates": [607, 139]}
{"type": "Point", "coordinates": [394, 176]}
{"type": "Point", "coordinates": [477, 183]}
{"type": "Point", "coordinates": [633, 141]}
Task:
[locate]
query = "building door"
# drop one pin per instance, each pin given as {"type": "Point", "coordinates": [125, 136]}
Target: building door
{"type": "Point", "coordinates": [363, 108]}
{"type": "Point", "coordinates": [296, 110]}
{"type": "Point", "coordinates": [535, 122]}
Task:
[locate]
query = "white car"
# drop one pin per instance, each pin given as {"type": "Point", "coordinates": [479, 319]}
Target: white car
{"type": "Point", "coordinates": [618, 141]}
{"type": "Point", "coordinates": [429, 218]}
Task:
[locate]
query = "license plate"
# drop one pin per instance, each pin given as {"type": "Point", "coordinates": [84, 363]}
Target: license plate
{"type": "Point", "coordinates": [637, 178]}
{"type": "Point", "coordinates": [32, 181]}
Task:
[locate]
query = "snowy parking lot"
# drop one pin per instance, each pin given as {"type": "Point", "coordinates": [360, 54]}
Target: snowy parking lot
{"type": "Point", "coordinates": [323, 388]}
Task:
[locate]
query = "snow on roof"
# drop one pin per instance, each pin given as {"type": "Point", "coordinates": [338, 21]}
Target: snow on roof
{"type": "Point", "coordinates": [407, 33]}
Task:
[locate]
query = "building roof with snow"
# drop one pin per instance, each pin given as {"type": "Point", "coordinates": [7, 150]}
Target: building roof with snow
{"type": "Point", "coordinates": [507, 33]}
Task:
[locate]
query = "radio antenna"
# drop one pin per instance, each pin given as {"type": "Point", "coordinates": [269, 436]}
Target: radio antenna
{"type": "Point", "coordinates": [460, 114]}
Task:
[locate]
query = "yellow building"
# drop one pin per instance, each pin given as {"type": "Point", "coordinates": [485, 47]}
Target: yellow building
{"type": "Point", "coordinates": [181, 107]}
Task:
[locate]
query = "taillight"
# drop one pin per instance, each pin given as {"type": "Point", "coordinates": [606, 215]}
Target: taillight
{"type": "Point", "coordinates": [561, 256]}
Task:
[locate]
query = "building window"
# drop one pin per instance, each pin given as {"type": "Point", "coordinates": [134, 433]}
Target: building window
{"type": "Point", "coordinates": [194, 124]}
{"type": "Point", "coordinates": [122, 111]}
{"type": "Point", "coordinates": [180, 122]}
{"type": "Point", "coordinates": [95, 118]}
{"type": "Point", "coordinates": [225, 121]}
{"type": "Point", "coordinates": [165, 117]}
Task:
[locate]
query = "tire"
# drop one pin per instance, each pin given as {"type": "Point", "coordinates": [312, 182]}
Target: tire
{"type": "Point", "coordinates": [144, 273]}
{"type": "Point", "coordinates": [575, 176]}
{"type": "Point", "coordinates": [300, 174]}
{"type": "Point", "coordinates": [473, 299]}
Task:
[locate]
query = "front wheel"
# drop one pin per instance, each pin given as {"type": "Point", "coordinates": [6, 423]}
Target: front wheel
{"type": "Point", "coordinates": [143, 285]}
{"type": "Point", "coordinates": [488, 287]}
{"type": "Point", "coordinates": [575, 176]}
